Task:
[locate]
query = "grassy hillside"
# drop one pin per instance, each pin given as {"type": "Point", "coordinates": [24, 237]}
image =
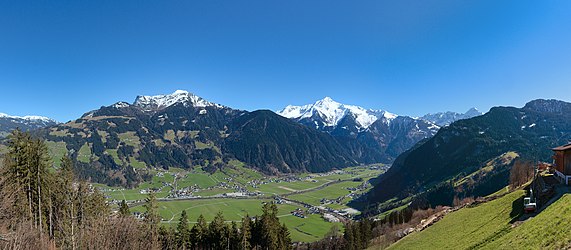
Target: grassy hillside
{"type": "Point", "coordinates": [548, 230]}
{"type": "Point", "coordinates": [487, 226]}
{"type": "Point", "coordinates": [464, 146]}
{"type": "Point", "coordinates": [468, 227]}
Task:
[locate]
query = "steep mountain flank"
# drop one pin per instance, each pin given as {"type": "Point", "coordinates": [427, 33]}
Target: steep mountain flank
{"type": "Point", "coordinates": [116, 144]}
{"type": "Point", "coordinates": [462, 147]}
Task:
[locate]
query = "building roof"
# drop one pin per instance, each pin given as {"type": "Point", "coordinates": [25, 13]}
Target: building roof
{"type": "Point", "coordinates": [563, 148]}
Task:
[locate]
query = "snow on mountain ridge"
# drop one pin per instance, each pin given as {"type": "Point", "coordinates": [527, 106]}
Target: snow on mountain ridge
{"type": "Point", "coordinates": [446, 118]}
{"type": "Point", "coordinates": [28, 117]}
{"type": "Point", "coordinates": [179, 96]}
{"type": "Point", "coordinates": [332, 112]}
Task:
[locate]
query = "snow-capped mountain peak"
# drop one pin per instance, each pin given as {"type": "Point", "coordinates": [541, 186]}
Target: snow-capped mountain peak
{"type": "Point", "coordinates": [25, 123]}
{"type": "Point", "coordinates": [162, 101]}
{"type": "Point", "coordinates": [29, 118]}
{"type": "Point", "coordinates": [330, 112]}
{"type": "Point", "coordinates": [473, 112]}
{"type": "Point", "coordinates": [121, 105]}
{"type": "Point", "coordinates": [446, 118]}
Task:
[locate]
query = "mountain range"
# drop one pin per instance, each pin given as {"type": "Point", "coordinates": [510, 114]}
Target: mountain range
{"type": "Point", "coordinates": [115, 144]}
{"type": "Point", "coordinates": [431, 170]}
{"type": "Point", "coordinates": [375, 135]}
{"type": "Point", "coordinates": [446, 118]}
{"type": "Point", "coordinates": [25, 123]}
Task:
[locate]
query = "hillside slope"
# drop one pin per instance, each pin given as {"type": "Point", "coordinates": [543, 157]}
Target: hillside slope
{"type": "Point", "coordinates": [465, 145]}
{"type": "Point", "coordinates": [548, 230]}
{"type": "Point", "coordinates": [371, 135]}
{"type": "Point", "coordinates": [487, 226]}
{"type": "Point", "coordinates": [468, 227]}
{"type": "Point", "coordinates": [25, 123]}
{"type": "Point", "coordinates": [116, 144]}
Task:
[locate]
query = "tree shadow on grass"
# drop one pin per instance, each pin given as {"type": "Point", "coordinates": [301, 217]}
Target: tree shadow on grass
{"type": "Point", "coordinates": [517, 209]}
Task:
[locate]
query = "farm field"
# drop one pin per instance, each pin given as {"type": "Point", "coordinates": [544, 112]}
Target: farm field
{"type": "Point", "coordinates": [215, 192]}
{"type": "Point", "coordinates": [332, 192]}
{"type": "Point", "coordinates": [307, 229]}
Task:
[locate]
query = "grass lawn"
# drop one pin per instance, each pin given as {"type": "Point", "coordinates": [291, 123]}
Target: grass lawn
{"type": "Point", "coordinates": [286, 187]}
{"type": "Point", "coordinates": [309, 229]}
{"type": "Point", "coordinates": [136, 163]}
{"type": "Point", "coordinates": [212, 192]}
{"type": "Point", "coordinates": [468, 227]}
{"type": "Point", "coordinates": [130, 138]}
{"type": "Point", "coordinates": [113, 153]}
{"type": "Point", "coordinates": [56, 150]}
{"type": "Point", "coordinates": [84, 153]}
{"type": "Point", "coordinates": [201, 145]}
{"type": "Point", "coordinates": [548, 230]}
{"type": "Point", "coordinates": [333, 191]}
{"type": "Point", "coordinates": [202, 179]}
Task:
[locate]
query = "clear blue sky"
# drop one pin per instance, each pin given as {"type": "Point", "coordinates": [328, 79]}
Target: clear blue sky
{"type": "Point", "coordinates": [63, 58]}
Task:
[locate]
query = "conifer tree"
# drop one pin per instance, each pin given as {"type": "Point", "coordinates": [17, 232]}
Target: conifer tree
{"type": "Point", "coordinates": [199, 233]}
{"type": "Point", "coordinates": [284, 239]}
{"type": "Point", "coordinates": [234, 238]}
{"type": "Point", "coordinates": [124, 210]}
{"type": "Point", "coordinates": [152, 217]}
{"type": "Point", "coordinates": [167, 238]}
{"type": "Point", "coordinates": [246, 233]}
{"type": "Point", "coordinates": [269, 226]}
{"type": "Point", "coordinates": [218, 232]}
{"type": "Point", "coordinates": [27, 178]}
{"type": "Point", "coordinates": [183, 231]}
{"type": "Point", "coordinates": [349, 236]}
{"type": "Point", "coordinates": [62, 198]}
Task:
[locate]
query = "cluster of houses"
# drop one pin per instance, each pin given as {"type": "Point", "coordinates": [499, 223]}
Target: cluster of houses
{"type": "Point", "coordinates": [298, 213]}
{"type": "Point", "coordinates": [256, 183]}
{"type": "Point", "coordinates": [330, 218]}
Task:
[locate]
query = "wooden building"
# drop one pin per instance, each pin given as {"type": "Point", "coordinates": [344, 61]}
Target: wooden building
{"type": "Point", "coordinates": [562, 162]}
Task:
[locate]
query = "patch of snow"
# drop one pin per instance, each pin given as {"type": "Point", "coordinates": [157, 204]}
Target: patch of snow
{"type": "Point", "coordinates": [28, 118]}
{"type": "Point", "coordinates": [446, 118]}
{"type": "Point", "coordinates": [120, 105]}
{"type": "Point", "coordinates": [433, 126]}
{"type": "Point", "coordinates": [180, 96]}
{"type": "Point", "coordinates": [331, 112]}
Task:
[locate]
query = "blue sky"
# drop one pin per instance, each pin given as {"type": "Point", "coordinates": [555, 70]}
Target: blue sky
{"type": "Point", "coordinates": [63, 58]}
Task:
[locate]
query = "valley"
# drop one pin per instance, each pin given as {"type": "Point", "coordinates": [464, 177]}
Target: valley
{"type": "Point", "coordinates": [285, 125]}
{"type": "Point", "coordinates": [304, 200]}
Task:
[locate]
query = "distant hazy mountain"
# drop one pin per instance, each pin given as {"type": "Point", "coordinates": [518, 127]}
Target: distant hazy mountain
{"type": "Point", "coordinates": [26, 123]}
{"type": "Point", "coordinates": [380, 135]}
{"type": "Point", "coordinates": [446, 118]}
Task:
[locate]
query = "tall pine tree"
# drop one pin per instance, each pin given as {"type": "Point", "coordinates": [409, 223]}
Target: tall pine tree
{"type": "Point", "coordinates": [124, 210]}
{"type": "Point", "coordinates": [183, 232]}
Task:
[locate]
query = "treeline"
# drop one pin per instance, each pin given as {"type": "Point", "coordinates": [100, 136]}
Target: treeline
{"type": "Point", "coordinates": [40, 207]}
{"type": "Point", "coordinates": [378, 233]}
{"type": "Point", "coordinates": [263, 232]}
{"type": "Point", "coordinates": [357, 236]}
{"type": "Point", "coordinates": [46, 208]}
